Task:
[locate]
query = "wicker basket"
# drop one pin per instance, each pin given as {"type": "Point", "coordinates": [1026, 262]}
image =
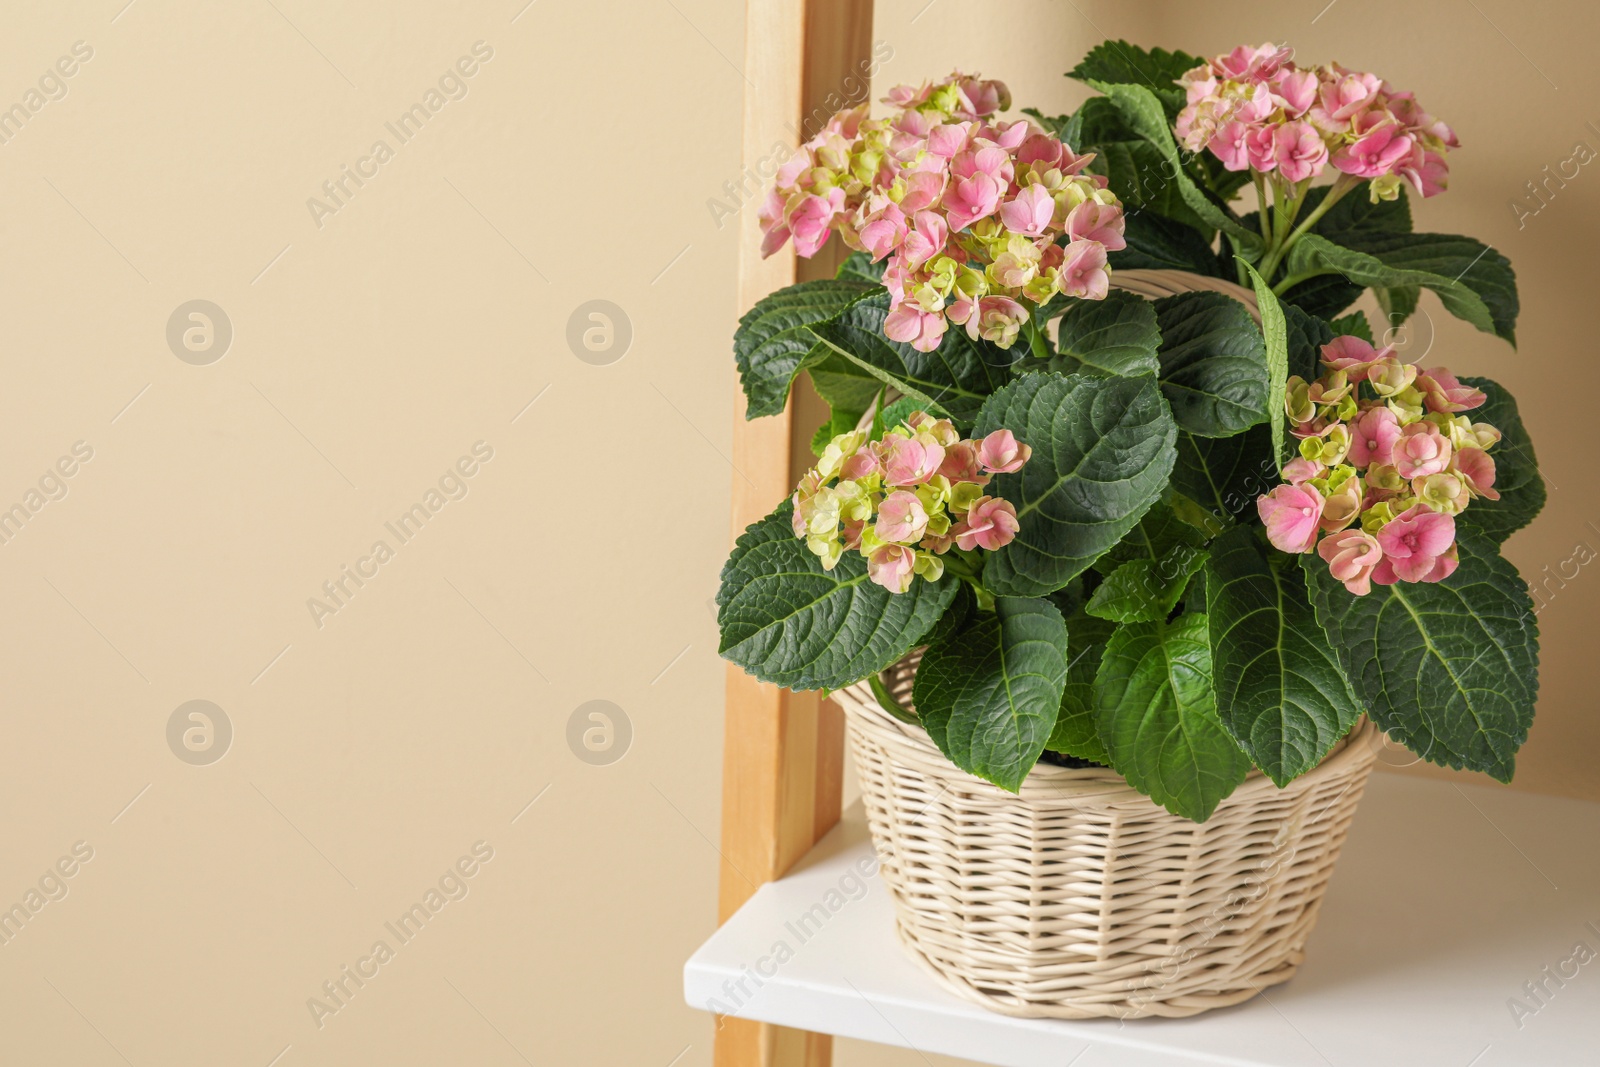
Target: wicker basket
{"type": "Point", "coordinates": [1080, 897]}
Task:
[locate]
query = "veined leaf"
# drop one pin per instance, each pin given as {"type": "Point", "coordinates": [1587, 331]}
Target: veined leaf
{"type": "Point", "coordinates": [1117, 335]}
{"type": "Point", "coordinates": [1144, 113]}
{"type": "Point", "coordinates": [1118, 62]}
{"type": "Point", "coordinates": [1075, 732]}
{"type": "Point", "coordinates": [1449, 669]}
{"type": "Point", "coordinates": [1280, 690]}
{"type": "Point", "coordinates": [1214, 370]}
{"type": "Point", "coordinates": [1156, 713]}
{"type": "Point", "coordinates": [774, 341]}
{"type": "Point", "coordinates": [1146, 590]}
{"type": "Point", "coordinates": [989, 694]}
{"type": "Point", "coordinates": [957, 377]}
{"type": "Point", "coordinates": [787, 621]}
{"type": "Point", "coordinates": [1102, 450]}
{"type": "Point", "coordinates": [1517, 477]}
{"type": "Point", "coordinates": [1225, 475]}
{"type": "Point", "coordinates": [1465, 285]}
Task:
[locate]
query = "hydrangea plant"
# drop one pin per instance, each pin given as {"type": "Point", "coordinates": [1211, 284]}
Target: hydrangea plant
{"type": "Point", "coordinates": [1180, 538]}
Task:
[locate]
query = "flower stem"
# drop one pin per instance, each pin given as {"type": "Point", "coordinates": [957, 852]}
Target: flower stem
{"type": "Point", "coordinates": [1336, 192]}
{"type": "Point", "coordinates": [1037, 340]}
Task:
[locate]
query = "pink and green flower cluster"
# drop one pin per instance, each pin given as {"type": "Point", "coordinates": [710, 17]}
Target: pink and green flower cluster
{"type": "Point", "coordinates": [907, 499]}
{"type": "Point", "coordinates": [977, 217]}
{"type": "Point", "coordinates": [1254, 109]}
{"type": "Point", "coordinates": [1386, 462]}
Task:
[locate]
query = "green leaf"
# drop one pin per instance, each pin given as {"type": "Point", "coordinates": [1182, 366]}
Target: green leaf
{"type": "Point", "coordinates": [859, 265]}
{"type": "Point", "coordinates": [1357, 216]}
{"type": "Point", "coordinates": [774, 341]}
{"type": "Point", "coordinates": [1356, 324]}
{"type": "Point", "coordinates": [989, 695]}
{"type": "Point", "coordinates": [843, 384]}
{"type": "Point", "coordinates": [1117, 335]}
{"type": "Point", "coordinates": [1156, 714]}
{"type": "Point", "coordinates": [1074, 732]}
{"type": "Point", "coordinates": [1323, 296]}
{"type": "Point", "coordinates": [1304, 336]}
{"type": "Point", "coordinates": [1450, 669]}
{"type": "Point", "coordinates": [1118, 62]}
{"type": "Point", "coordinates": [957, 377]}
{"type": "Point", "coordinates": [1144, 113]}
{"type": "Point", "coordinates": [1134, 168]}
{"type": "Point", "coordinates": [892, 415]}
{"type": "Point", "coordinates": [1433, 261]}
{"type": "Point", "coordinates": [1280, 690]}
{"type": "Point", "coordinates": [1213, 365]}
{"type": "Point", "coordinates": [1156, 242]}
{"type": "Point", "coordinates": [1225, 475]}
{"type": "Point", "coordinates": [1144, 590]}
{"type": "Point", "coordinates": [1102, 450]}
{"type": "Point", "coordinates": [1275, 328]}
{"type": "Point", "coordinates": [787, 621]}
{"type": "Point", "coordinates": [1516, 469]}
{"type": "Point", "coordinates": [1159, 533]}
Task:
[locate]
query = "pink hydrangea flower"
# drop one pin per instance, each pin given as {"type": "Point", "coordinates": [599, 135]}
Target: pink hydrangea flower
{"type": "Point", "coordinates": [1083, 273]}
{"type": "Point", "coordinates": [1421, 450]}
{"type": "Point", "coordinates": [1354, 356]}
{"type": "Point", "coordinates": [901, 517]}
{"type": "Point", "coordinates": [1001, 453]}
{"type": "Point", "coordinates": [961, 464]}
{"type": "Point", "coordinates": [1476, 468]}
{"type": "Point", "coordinates": [1298, 150]}
{"type": "Point", "coordinates": [922, 330]}
{"type": "Point", "coordinates": [1300, 469]}
{"type": "Point", "coordinates": [991, 523]}
{"type": "Point", "coordinates": [892, 566]}
{"type": "Point", "coordinates": [907, 461]}
{"type": "Point", "coordinates": [1102, 223]}
{"type": "Point", "coordinates": [1292, 514]}
{"type": "Point", "coordinates": [1029, 212]}
{"type": "Point", "coordinates": [1352, 556]}
{"type": "Point", "coordinates": [1375, 154]}
{"type": "Point", "coordinates": [1372, 437]}
{"type": "Point", "coordinates": [1443, 392]}
{"type": "Point", "coordinates": [1417, 547]}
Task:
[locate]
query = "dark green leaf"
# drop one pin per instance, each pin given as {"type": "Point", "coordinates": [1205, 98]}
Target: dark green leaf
{"type": "Point", "coordinates": [787, 621]}
{"type": "Point", "coordinates": [1213, 364]}
{"type": "Point", "coordinates": [859, 265]}
{"type": "Point", "coordinates": [1102, 450]}
{"type": "Point", "coordinates": [1323, 296]}
{"type": "Point", "coordinates": [1158, 534]}
{"type": "Point", "coordinates": [1473, 282]}
{"type": "Point", "coordinates": [1118, 62]}
{"type": "Point", "coordinates": [1144, 590]}
{"type": "Point", "coordinates": [1517, 477]}
{"type": "Point", "coordinates": [1280, 690]}
{"type": "Point", "coordinates": [1075, 730]}
{"type": "Point", "coordinates": [1304, 338]}
{"type": "Point", "coordinates": [1470, 263]}
{"type": "Point", "coordinates": [1450, 669]}
{"type": "Point", "coordinates": [989, 695]}
{"type": "Point", "coordinates": [1117, 335]}
{"type": "Point", "coordinates": [1135, 169]}
{"type": "Point", "coordinates": [1144, 114]}
{"type": "Point", "coordinates": [1225, 475]}
{"type": "Point", "coordinates": [774, 341]}
{"type": "Point", "coordinates": [957, 377]}
{"type": "Point", "coordinates": [1156, 242]}
{"type": "Point", "coordinates": [1355, 324]}
{"type": "Point", "coordinates": [1157, 716]}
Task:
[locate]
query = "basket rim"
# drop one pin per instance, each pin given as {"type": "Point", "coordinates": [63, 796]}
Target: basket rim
{"type": "Point", "coordinates": [1047, 783]}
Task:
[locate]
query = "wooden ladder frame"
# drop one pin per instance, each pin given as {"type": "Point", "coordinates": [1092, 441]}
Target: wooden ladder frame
{"type": "Point", "coordinates": [783, 752]}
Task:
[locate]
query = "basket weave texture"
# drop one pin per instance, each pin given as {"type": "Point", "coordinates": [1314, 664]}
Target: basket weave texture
{"type": "Point", "coordinates": [1080, 897]}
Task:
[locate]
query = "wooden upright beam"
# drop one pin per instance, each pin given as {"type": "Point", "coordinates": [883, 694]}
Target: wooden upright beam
{"type": "Point", "coordinates": [783, 753]}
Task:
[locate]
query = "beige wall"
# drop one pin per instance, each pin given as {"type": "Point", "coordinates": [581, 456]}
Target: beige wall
{"type": "Point", "coordinates": [369, 354]}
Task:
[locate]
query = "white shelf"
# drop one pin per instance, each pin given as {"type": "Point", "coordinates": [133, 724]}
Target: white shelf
{"type": "Point", "coordinates": [1444, 903]}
